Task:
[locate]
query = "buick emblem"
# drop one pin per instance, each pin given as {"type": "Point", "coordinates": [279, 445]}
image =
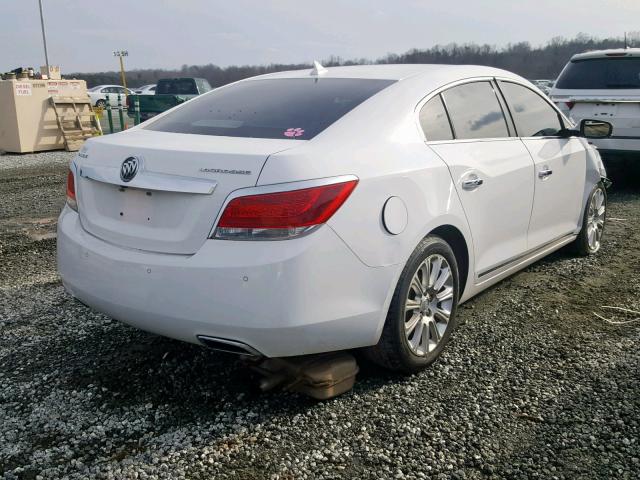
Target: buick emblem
{"type": "Point", "coordinates": [129, 169]}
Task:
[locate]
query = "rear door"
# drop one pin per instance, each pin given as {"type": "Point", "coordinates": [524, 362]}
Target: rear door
{"type": "Point", "coordinates": [113, 96]}
{"type": "Point", "coordinates": [492, 172]}
{"type": "Point", "coordinates": [560, 164]}
{"type": "Point", "coordinates": [106, 93]}
{"type": "Point", "coordinates": [109, 95]}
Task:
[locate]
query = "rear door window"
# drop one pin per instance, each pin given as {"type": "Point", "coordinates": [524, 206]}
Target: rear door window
{"type": "Point", "coordinates": [475, 111]}
{"type": "Point", "coordinates": [601, 74]}
{"type": "Point", "coordinates": [533, 116]}
{"type": "Point", "coordinates": [295, 108]}
{"type": "Point", "coordinates": [434, 120]}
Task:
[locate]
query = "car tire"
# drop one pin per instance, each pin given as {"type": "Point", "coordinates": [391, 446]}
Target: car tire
{"type": "Point", "coordinates": [399, 347]}
{"type": "Point", "coordinates": [101, 104]}
{"type": "Point", "coordinates": [594, 219]}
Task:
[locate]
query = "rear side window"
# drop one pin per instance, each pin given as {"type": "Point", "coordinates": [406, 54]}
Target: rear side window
{"type": "Point", "coordinates": [601, 74]}
{"type": "Point", "coordinates": [475, 111]}
{"type": "Point", "coordinates": [434, 120]}
{"type": "Point", "coordinates": [533, 116]}
{"type": "Point", "coordinates": [295, 108]}
{"type": "Point", "coordinates": [203, 85]}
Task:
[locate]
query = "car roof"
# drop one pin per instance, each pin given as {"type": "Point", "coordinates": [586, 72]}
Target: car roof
{"type": "Point", "coordinates": [440, 73]}
{"type": "Point", "coordinates": [613, 52]}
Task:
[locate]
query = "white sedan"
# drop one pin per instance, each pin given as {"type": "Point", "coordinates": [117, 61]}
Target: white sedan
{"type": "Point", "coordinates": [145, 90]}
{"type": "Point", "coordinates": [101, 93]}
{"type": "Point", "coordinates": [311, 211]}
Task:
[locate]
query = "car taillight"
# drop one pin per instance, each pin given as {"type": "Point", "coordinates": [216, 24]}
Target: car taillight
{"type": "Point", "coordinates": [71, 191]}
{"type": "Point", "coordinates": [281, 215]}
{"type": "Point", "coordinates": [569, 104]}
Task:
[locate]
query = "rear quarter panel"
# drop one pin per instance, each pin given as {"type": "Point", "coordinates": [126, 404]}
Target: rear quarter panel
{"type": "Point", "coordinates": [380, 143]}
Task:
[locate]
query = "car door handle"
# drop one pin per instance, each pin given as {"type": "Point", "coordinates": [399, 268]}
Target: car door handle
{"type": "Point", "coordinates": [545, 173]}
{"type": "Point", "coordinates": [472, 184]}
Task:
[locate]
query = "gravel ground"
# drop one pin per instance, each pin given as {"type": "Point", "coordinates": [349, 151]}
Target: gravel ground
{"type": "Point", "coordinates": [533, 385]}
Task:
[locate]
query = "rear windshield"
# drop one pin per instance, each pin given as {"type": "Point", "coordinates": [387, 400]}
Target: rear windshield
{"type": "Point", "coordinates": [295, 108]}
{"type": "Point", "coordinates": [601, 73]}
{"type": "Point", "coordinates": [180, 86]}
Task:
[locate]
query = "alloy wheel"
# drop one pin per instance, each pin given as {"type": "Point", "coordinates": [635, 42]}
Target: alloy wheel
{"type": "Point", "coordinates": [595, 219]}
{"type": "Point", "coordinates": [428, 305]}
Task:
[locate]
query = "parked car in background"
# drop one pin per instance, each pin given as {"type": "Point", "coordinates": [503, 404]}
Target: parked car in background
{"type": "Point", "coordinates": [544, 85]}
{"type": "Point", "coordinates": [604, 85]}
{"type": "Point", "coordinates": [310, 211]}
{"type": "Point", "coordinates": [169, 93]}
{"type": "Point", "coordinates": [100, 93]}
{"type": "Point", "coordinates": [145, 90]}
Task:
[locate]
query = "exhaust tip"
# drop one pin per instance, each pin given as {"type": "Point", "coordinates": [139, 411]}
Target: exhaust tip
{"type": "Point", "coordinates": [229, 346]}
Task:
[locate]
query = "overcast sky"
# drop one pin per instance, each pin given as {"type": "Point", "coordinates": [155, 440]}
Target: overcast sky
{"type": "Point", "coordinates": [82, 34]}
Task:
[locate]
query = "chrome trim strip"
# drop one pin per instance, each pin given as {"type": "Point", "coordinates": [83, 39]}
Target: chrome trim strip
{"type": "Point", "coordinates": [599, 100]}
{"type": "Point", "coordinates": [146, 180]}
{"type": "Point", "coordinates": [250, 351]}
{"type": "Point", "coordinates": [523, 256]}
{"type": "Point", "coordinates": [438, 91]}
{"type": "Point", "coordinates": [442, 88]}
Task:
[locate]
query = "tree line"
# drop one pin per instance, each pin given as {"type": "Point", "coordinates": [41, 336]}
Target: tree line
{"type": "Point", "coordinates": [545, 61]}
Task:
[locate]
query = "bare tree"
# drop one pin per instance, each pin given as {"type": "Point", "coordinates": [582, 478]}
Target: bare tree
{"type": "Point", "coordinates": [532, 62]}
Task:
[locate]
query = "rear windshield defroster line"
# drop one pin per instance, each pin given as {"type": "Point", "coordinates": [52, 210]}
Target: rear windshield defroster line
{"type": "Point", "coordinates": [288, 108]}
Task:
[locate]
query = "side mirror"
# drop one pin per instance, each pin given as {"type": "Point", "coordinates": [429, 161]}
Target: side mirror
{"type": "Point", "coordinates": [595, 129]}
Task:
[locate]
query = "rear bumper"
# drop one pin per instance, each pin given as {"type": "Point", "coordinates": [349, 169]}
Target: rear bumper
{"type": "Point", "coordinates": [285, 298]}
{"type": "Point", "coordinates": [626, 131]}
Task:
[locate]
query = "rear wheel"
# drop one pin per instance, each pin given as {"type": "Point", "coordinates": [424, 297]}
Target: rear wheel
{"type": "Point", "coordinates": [593, 221]}
{"type": "Point", "coordinates": [422, 313]}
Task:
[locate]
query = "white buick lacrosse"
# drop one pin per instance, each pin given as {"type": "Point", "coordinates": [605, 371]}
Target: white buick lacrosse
{"type": "Point", "coordinates": [313, 211]}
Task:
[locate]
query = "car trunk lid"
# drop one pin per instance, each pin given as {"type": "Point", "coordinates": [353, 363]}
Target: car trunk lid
{"type": "Point", "coordinates": [181, 183]}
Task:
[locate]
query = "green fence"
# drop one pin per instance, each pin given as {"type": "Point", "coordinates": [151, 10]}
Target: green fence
{"type": "Point", "coordinates": [115, 118]}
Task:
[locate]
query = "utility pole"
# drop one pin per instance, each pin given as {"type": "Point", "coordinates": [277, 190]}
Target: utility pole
{"type": "Point", "coordinates": [121, 54]}
{"type": "Point", "coordinates": [44, 38]}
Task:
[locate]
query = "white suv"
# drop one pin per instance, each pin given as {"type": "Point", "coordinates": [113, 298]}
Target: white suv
{"type": "Point", "coordinates": [310, 211]}
{"type": "Point", "coordinates": [604, 85]}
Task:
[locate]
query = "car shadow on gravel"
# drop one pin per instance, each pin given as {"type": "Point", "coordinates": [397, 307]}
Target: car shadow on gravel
{"type": "Point", "coordinates": [141, 367]}
{"type": "Point", "coordinates": [132, 368]}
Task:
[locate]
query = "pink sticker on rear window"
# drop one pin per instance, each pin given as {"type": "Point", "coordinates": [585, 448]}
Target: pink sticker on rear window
{"type": "Point", "coordinates": [293, 132]}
